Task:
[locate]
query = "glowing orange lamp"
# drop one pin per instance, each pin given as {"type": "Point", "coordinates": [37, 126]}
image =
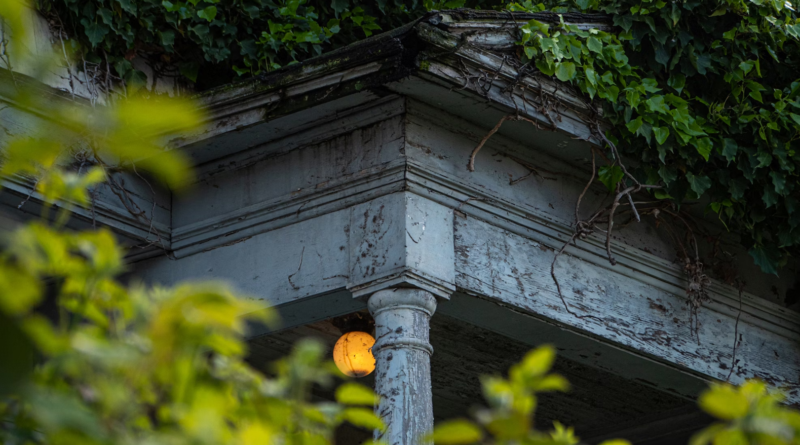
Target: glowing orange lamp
{"type": "Point", "coordinates": [353, 354]}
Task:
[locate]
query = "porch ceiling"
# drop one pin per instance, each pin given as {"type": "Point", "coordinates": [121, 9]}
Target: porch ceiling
{"type": "Point", "coordinates": [599, 403]}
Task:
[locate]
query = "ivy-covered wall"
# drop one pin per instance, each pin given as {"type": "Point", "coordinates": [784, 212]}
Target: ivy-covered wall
{"type": "Point", "coordinates": [212, 42]}
{"type": "Point", "coordinates": [704, 96]}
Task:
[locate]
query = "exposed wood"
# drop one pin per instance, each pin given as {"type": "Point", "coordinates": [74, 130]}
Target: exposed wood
{"type": "Point", "coordinates": [542, 209]}
{"type": "Point", "coordinates": [339, 160]}
{"type": "Point", "coordinates": [630, 313]}
{"type": "Point", "coordinates": [401, 239]}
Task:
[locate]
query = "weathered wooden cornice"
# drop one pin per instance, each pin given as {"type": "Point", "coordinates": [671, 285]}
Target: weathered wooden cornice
{"type": "Point", "coordinates": [448, 45]}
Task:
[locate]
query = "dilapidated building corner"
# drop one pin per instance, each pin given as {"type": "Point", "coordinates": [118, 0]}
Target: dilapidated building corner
{"type": "Point", "coordinates": [341, 185]}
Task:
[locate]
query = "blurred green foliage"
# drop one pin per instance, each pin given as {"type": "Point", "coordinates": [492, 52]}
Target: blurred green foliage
{"type": "Point", "coordinates": [751, 414]}
{"type": "Point", "coordinates": [129, 364]}
{"type": "Point", "coordinates": [509, 418]}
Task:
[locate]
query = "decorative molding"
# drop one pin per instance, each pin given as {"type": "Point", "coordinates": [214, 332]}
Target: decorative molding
{"type": "Point", "coordinates": [323, 128]}
{"type": "Point", "coordinates": [105, 213]}
{"type": "Point", "coordinates": [471, 202]}
{"type": "Point", "coordinates": [288, 209]}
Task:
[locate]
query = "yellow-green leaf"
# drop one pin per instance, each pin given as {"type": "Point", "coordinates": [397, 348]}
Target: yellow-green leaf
{"type": "Point", "coordinates": [456, 432]}
{"type": "Point", "coordinates": [552, 382]}
{"type": "Point", "coordinates": [538, 361]}
{"type": "Point", "coordinates": [355, 394]}
{"type": "Point", "coordinates": [565, 71]}
{"type": "Point", "coordinates": [724, 402]}
{"type": "Point", "coordinates": [364, 418]}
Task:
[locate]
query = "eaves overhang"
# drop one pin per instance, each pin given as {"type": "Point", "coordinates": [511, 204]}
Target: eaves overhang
{"type": "Point", "coordinates": [459, 49]}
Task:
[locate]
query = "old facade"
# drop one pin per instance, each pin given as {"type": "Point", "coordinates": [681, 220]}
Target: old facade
{"type": "Point", "coordinates": [341, 185]}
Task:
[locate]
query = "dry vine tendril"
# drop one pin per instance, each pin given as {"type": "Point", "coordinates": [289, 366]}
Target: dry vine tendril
{"type": "Point", "coordinates": [704, 98]}
{"type": "Point", "coordinates": [620, 181]}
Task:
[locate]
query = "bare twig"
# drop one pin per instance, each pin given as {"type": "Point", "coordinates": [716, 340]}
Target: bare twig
{"type": "Point", "coordinates": [585, 189]}
{"type": "Point", "coordinates": [511, 117]}
{"type": "Point", "coordinates": [471, 164]}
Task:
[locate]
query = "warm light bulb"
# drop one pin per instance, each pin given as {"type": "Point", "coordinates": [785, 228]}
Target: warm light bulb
{"type": "Point", "coordinates": [353, 354]}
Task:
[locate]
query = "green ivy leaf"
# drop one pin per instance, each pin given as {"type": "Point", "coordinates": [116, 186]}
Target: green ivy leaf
{"type": "Point", "coordinates": [650, 85]}
{"type": "Point", "coordinates": [661, 133]}
{"type": "Point", "coordinates": [720, 11]}
{"type": "Point", "coordinates": [729, 149]}
{"type": "Point", "coordinates": [189, 70]}
{"type": "Point", "coordinates": [123, 67]}
{"type": "Point", "coordinates": [764, 159]}
{"type": "Point", "coordinates": [677, 81]}
{"type": "Point", "coordinates": [656, 104]}
{"type": "Point", "coordinates": [779, 181]}
{"type": "Point", "coordinates": [667, 174]}
{"type": "Point", "coordinates": [704, 146]}
{"type": "Point", "coordinates": [698, 184]}
{"type": "Point", "coordinates": [128, 6]}
{"type": "Point", "coordinates": [167, 38]}
{"type": "Point", "coordinates": [594, 44]}
{"type": "Point", "coordinates": [565, 71]}
{"type": "Point", "coordinates": [208, 13]}
{"type": "Point", "coordinates": [766, 258]}
{"type": "Point", "coordinates": [737, 188]}
{"type": "Point", "coordinates": [545, 66]}
{"type": "Point", "coordinates": [769, 198]}
{"type": "Point", "coordinates": [339, 6]}
{"type": "Point", "coordinates": [634, 125]}
{"type": "Point", "coordinates": [675, 14]}
{"type": "Point", "coordinates": [610, 175]}
{"type": "Point", "coordinates": [96, 32]}
{"type": "Point", "coordinates": [135, 80]}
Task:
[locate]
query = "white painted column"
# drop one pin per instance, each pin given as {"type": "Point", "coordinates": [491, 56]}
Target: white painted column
{"type": "Point", "coordinates": [403, 363]}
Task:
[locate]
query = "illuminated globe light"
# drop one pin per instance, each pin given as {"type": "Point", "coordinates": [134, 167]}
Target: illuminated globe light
{"type": "Point", "coordinates": [353, 354]}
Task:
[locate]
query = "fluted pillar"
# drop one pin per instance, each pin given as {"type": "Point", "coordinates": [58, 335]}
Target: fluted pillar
{"type": "Point", "coordinates": [403, 367]}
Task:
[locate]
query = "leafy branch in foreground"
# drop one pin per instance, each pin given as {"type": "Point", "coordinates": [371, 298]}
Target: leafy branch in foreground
{"type": "Point", "coordinates": [749, 414]}
{"type": "Point", "coordinates": [90, 360]}
{"type": "Point", "coordinates": [512, 403]}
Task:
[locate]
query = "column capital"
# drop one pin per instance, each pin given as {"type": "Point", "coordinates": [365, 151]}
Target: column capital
{"type": "Point", "coordinates": [397, 298]}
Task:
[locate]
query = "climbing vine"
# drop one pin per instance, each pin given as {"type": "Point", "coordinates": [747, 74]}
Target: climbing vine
{"type": "Point", "coordinates": [211, 42]}
{"type": "Point", "coordinates": [703, 96]}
